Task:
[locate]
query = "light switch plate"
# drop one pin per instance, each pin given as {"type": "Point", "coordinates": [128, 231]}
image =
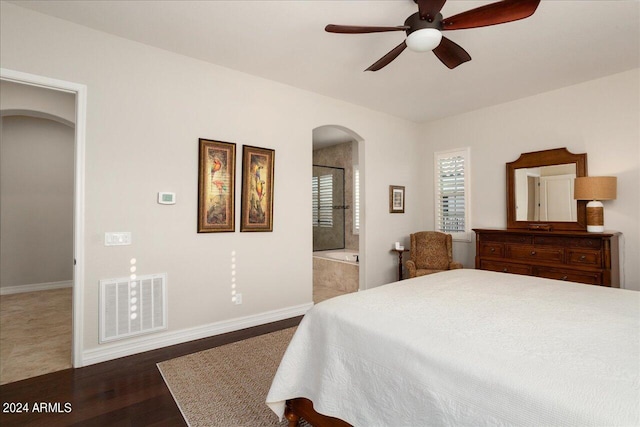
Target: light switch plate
{"type": "Point", "coordinates": [117, 238]}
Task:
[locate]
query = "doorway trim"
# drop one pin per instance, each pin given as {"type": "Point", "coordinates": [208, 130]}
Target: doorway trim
{"type": "Point", "coordinates": [80, 91]}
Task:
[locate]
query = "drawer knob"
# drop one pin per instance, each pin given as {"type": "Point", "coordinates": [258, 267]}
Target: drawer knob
{"type": "Point", "coordinates": [533, 253]}
{"type": "Point", "coordinates": [582, 258]}
{"type": "Point", "coordinates": [565, 277]}
{"type": "Point", "coordinates": [493, 249]}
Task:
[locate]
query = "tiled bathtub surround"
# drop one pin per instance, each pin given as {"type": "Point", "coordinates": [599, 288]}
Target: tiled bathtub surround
{"type": "Point", "coordinates": [332, 278]}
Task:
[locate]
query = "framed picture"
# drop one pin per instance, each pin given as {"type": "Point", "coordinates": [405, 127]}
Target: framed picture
{"type": "Point", "coordinates": [216, 186]}
{"type": "Point", "coordinates": [396, 199]}
{"type": "Point", "coordinates": [257, 189]}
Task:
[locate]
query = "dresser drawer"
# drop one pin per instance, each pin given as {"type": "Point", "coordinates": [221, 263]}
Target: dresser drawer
{"type": "Point", "coordinates": [505, 267]}
{"type": "Point", "coordinates": [535, 253]}
{"type": "Point", "coordinates": [584, 257]}
{"type": "Point", "coordinates": [591, 278]}
{"type": "Point", "coordinates": [507, 238]}
{"type": "Point", "coordinates": [492, 249]}
{"type": "Point", "coordinates": [571, 242]}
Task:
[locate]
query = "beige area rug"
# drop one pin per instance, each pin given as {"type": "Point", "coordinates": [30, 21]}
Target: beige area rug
{"type": "Point", "coordinates": [227, 386]}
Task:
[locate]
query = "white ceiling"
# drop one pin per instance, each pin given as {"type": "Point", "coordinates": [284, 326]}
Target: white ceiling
{"type": "Point", "coordinates": [563, 43]}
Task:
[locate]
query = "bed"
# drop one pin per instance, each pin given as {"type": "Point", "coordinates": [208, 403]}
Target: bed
{"type": "Point", "coordinates": [466, 348]}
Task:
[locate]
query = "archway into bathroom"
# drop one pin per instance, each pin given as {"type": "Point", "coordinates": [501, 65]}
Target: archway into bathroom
{"type": "Point", "coordinates": [338, 212]}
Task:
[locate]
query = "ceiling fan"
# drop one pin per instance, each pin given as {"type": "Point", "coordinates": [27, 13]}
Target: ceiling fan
{"type": "Point", "coordinates": [424, 28]}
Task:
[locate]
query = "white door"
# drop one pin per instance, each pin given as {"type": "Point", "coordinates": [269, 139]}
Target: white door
{"type": "Point", "coordinates": [556, 198]}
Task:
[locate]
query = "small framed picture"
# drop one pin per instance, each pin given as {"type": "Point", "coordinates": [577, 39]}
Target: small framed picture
{"type": "Point", "coordinates": [396, 199]}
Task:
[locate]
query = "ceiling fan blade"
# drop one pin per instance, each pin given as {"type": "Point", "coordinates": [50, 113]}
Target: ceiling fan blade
{"type": "Point", "coordinates": [429, 8]}
{"type": "Point", "coordinates": [385, 60]}
{"type": "Point", "coordinates": [358, 29]}
{"type": "Point", "coordinates": [451, 54]}
{"type": "Point", "coordinates": [491, 14]}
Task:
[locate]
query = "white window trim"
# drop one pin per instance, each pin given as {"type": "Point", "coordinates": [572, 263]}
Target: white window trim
{"type": "Point", "coordinates": [466, 235]}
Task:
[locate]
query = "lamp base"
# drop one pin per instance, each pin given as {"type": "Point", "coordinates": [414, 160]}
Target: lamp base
{"type": "Point", "coordinates": [595, 217]}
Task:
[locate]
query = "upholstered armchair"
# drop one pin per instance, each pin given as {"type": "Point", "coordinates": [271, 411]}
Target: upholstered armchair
{"type": "Point", "coordinates": [431, 252]}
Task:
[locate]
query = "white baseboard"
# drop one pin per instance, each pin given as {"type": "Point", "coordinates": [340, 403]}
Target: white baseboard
{"type": "Point", "coordinates": [164, 339]}
{"type": "Point", "coordinates": [6, 290]}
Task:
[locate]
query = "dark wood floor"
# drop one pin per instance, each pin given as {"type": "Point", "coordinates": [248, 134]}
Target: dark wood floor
{"type": "Point", "coordinates": [125, 392]}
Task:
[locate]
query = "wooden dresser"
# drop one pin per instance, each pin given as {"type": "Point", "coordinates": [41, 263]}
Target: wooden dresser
{"type": "Point", "coordinates": [576, 256]}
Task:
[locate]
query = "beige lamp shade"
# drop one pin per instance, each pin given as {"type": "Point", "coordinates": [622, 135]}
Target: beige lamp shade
{"type": "Point", "coordinates": [595, 188]}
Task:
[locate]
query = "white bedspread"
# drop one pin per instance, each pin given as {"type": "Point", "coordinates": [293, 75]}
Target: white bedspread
{"type": "Point", "coordinates": [469, 348]}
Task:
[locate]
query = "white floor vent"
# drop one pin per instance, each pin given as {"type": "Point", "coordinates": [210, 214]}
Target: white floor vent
{"type": "Point", "coordinates": [132, 307]}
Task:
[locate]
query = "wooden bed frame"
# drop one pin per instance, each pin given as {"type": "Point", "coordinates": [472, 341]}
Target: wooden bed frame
{"type": "Point", "coordinates": [303, 408]}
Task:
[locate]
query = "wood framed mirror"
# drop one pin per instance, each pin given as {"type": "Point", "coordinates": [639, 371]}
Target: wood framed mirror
{"type": "Point", "coordinates": [540, 191]}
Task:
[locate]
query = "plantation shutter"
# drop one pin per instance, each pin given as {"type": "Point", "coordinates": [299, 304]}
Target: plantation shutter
{"type": "Point", "coordinates": [451, 215]}
{"type": "Point", "coordinates": [322, 194]}
{"type": "Point", "coordinates": [315, 203]}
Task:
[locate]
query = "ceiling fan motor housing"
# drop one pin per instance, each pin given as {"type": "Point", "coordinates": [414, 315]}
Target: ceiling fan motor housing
{"type": "Point", "coordinates": [415, 23]}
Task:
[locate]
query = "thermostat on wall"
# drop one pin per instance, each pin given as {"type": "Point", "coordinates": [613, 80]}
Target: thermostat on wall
{"type": "Point", "coordinates": [167, 198]}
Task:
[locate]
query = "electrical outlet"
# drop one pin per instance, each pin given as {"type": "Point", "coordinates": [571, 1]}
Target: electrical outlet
{"type": "Point", "coordinates": [238, 298]}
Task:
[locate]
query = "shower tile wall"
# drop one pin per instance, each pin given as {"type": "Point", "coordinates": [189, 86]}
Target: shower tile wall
{"type": "Point", "coordinates": [340, 156]}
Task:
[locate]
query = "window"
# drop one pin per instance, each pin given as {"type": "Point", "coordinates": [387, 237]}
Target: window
{"type": "Point", "coordinates": [356, 200]}
{"type": "Point", "coordinates": [452, 193]}
{"type": "Point", "coordinates": [322, 204]}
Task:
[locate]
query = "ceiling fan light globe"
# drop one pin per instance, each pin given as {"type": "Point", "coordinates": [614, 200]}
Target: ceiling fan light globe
{"type": "Point", "coordinates": [424, 40]}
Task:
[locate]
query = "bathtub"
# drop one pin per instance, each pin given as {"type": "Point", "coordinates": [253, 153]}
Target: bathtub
{"type": "Point", "coordinates": [343, 255]}
{"type": "Point", "coordinates": [336, 270]}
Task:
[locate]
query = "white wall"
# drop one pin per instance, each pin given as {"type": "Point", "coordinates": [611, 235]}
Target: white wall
{"type": "Point", "coordinates": [146, 110]}
{"type": "Point", "coordinates": [36, 202]}
{"type": "Point", "coordinates": [599, 117]}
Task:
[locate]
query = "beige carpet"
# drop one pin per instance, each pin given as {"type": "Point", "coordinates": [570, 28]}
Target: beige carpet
{"type": "Point", "coordinates": [228, 385]}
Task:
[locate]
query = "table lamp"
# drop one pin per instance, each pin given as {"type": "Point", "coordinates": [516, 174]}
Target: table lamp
{"type": "Point", "coordinates": [595, 189]}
